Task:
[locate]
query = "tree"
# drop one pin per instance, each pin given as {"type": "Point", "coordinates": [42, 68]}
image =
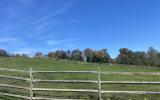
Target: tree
{"type": "Point", "coordinates": [153, 56]}
{"type": "Point", "coordinates": [106, 57]}
{"type": "Point", "coordinates": [76, 55]}
{"type": "Point", "coordinates": [38, 55]}
{"type": "Point", "coordinates": [126, 56]}
{"type": "Point", "coordinates": [60, 54]}
{"type": "Point", "coordinates": [140, 58]}
{"type": "Point", "coordinates": [17, 55]}
{"type": "Point", "coordinates": [68, 54]}
{"type": "Point", "coordinates": [88, 53]}
{"type": "Point", "coordinates": [101, 56]}
{"type": "Point", "coordinates": [3, 53]}
{"type": "Point", "coordinates": [25, 55]}
{"type": "Point", "coordinates": [51, 55]}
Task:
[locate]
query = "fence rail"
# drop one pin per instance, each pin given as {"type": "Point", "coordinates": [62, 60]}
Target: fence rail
{"type": "Point", "coordinates": [64, 72]}
{"type": "Point", "coordinates": [13, 86]}
{"type": "Point", "coordinates": [15, 96]}
{"type": "Point", "coordinates": [132, 92]}
{"type": "Point", "coordinates": [132, 73]}
{"type": "Point", "coordinates": [65, 81]}
{"type": "Point", "coordinates": [13, 70]}
{"type": "Point", "coordinates": [15, 78]}
{"type": "Point", "coordinates": [65, 90]}
{"type": "Point", "coordinates": [99, 91]}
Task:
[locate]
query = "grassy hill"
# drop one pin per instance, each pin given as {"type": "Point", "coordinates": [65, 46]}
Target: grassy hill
{"type": "Point", "coordinates": [48, 64]}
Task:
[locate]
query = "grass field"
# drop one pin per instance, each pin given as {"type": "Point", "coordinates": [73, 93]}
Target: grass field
{"type": "Point", "coordinates": [48, 64]}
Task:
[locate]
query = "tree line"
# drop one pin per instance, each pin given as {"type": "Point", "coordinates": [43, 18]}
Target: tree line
{"type": "Point", "coordinates": [125, 56]}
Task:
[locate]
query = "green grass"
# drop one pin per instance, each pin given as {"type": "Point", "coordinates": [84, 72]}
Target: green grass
{"type": "Point", "coordinates": [48, 64]}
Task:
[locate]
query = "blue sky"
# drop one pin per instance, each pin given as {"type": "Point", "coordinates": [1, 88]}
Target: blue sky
{"type": "Point", "coordinates": [27, 26]}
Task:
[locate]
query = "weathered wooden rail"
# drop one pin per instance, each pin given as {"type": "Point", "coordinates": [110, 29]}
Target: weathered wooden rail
{"type": "Point", "coordinates": [99, 91]}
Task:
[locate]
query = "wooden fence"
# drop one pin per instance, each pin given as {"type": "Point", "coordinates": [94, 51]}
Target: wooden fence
{"type": "Point", "coordinates": [99, 91]}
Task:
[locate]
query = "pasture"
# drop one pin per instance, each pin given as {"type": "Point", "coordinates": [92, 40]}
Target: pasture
{"type": "Point", "coordinates": [52, 65]}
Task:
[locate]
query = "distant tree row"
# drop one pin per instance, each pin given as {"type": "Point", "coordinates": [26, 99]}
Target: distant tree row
{"type": "Point", "coordinates": [88, 55]}
{"type": "Point", "coordinates": [4, 53]}
{"type": "Point", "coordinates": [149, 58]}
{"type": "Point", "coordinates": [126, 56]}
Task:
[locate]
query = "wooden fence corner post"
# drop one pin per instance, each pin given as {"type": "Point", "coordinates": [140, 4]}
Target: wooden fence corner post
{"type": "Point", "coordinates": [31, 83]}
{"type": "Point", "coordinates": [99, 83]}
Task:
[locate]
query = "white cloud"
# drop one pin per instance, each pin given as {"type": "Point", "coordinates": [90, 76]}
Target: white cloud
{"type": "Point", "coordinates": [53, 42]}
{"type": "Point", "coordinates": [10, 40]}
{"type": "Point", "coordinates": [31, 51]}
{"type": "Point", "coordinates": [28, 51]}
{"type": "Point", "coordinates": [63, 44]}
{"type": "Point", "coordinates": [69, 45]}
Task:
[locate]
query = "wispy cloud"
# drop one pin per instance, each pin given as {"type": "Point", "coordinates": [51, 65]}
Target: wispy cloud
{"type": "Point", "coordinates": [53, 42]}
{"type": "Point", "coordinates": [64, 42]}
{"type": "Point", "coordinates": [10, 40]}
{"type": "Point", "coordinates": [53, 14]}
{"type": "Point", "coordinates": [34, 28]}
{"type": "Point", "coordinates": [32, 22]}
{"type": "Point", "coordinates": [28, 51]}
{"type": "Point", "coordinates": [31, 51]}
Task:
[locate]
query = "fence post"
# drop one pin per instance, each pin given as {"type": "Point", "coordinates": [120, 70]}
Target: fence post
{"type": "Point", "coordinates": [31, 83]}
{"type": "Point", "coordinates": [99, 83]}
